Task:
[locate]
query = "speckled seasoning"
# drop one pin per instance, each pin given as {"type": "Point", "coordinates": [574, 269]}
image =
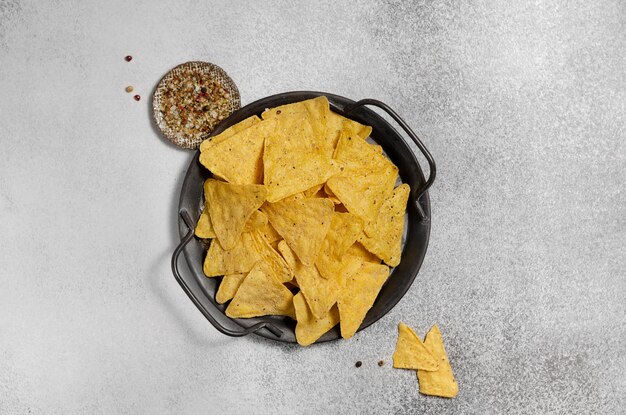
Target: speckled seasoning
{"type": "Point", "coordinates": [194, 102]}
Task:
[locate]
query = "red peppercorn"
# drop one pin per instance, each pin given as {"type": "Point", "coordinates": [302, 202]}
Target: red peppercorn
{"type": "Point", "coordinates": [128, 58]}
{"type": "Point", "coordinates": [137, 97]}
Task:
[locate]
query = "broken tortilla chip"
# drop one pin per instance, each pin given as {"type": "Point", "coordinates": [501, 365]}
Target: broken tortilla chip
{"type": "Point", "coordinates": [440, 382]}
{"type": "Point", "coordinates": [303, 224]}
{"type": "Point", "coordinates": [411, 353]}
{"type": "Point", "coordinates": [309, 328]}
{"type": "Point", "coordinates": [230, 206]}
{"type": "Point", "coordinates": [260, 294]}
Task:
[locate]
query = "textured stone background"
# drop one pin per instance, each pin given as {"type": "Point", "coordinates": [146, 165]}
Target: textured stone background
{"type": "Point", "coordinates": [523, 105]}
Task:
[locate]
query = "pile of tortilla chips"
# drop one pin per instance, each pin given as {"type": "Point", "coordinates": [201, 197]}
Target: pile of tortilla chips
{"type": "Point", "coordinates": [429, 359]}
{"type": "Point", "coordinates": [301, 211]}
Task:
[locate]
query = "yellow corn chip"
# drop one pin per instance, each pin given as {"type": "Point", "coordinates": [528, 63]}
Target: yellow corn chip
{"type": "Point", "coordinates": [269, 233]}
{"type": "Point", "coordinates": [303, 224]}
{"type": "Point", "coordinates": [441, 382]}
{"type": "Point", "coordinates": [204, 228]}
{"type": "Point", "coordinates": [386, 230]}
{"type": "Point", "coordinates": [337, 123]}
{"type": "Point", "coordinates": [258, 220]}
{"type": "Point", "coordinates": [320, 293]}
{"type": "Point", "coordinates": [240, 126]}
{"type": "Point", "coordinates": [260, 294]}
{"type": "Point", "coordinates": [241, 258]}
{"type": "Point", "coordinates": [228, 287]}
{"type": "Point", "coordinates": [313, 190]}
{"type": "Point", "coordinates": [343, 232]}
{"type": "Point", "coordinates": [275, 262]}
{"type": "Point", "coordinates": [411, 353]}
{"type": "Point", "coordinates": [359, 251]}
{"type": "Point", "coordinates": [230, 206]}
{"type": "Point", "coordinates": [313, 112]}
{"type": "Point", "coordinates": [239, 158]}
{"type": "Point", "coordinates": [358, 156]}
{"type": "Point", "coordinates": [296, 156]}
{"type": "Point", "coordinates": [310, 328]}
{"type": "Point", "coordinates": [358, 294]}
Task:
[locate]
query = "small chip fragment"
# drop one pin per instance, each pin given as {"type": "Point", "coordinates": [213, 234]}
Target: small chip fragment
{"type": "Point", "coordinates": [411, 353]}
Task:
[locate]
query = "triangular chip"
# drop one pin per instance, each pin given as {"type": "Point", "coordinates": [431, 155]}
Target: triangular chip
{"type": "Point", "coordinates": [230, 206]}
{"type": "Point", "coordinates": [367, 178]}
{"type": "Point", "coordinates": [320, 293]}
{"type": "Point", "coordinates": [204, 228]}
{"type": "Point", "coordinates": [241, 258]}
{"type": "Point", "coordinates": [310, 328]}
{"type": "Point", "coordinates": [260, 294]}
{"type": "Point", "coordinates": [359, 251]}
{"type": "Point", "coordinates": [358, 294]}
{"type": "Point", "coordinates": [344, 230]}
{"type": "Point", "coordinates": [276, 264]}
{"type": "Point", "coordinates": [337, 123]}
{"type": "Point", "coordinates": [411, 353]}
{"type": "Point", "coordinates": [303, 224]}
{"type": "Point", "coordinates": [269, 233]}
{"type": "Point", "coordinates": [240, 126]}
{"type": "Point", "coordinates": [239, 158]}
{"type": "Point", "coordinates": [228, 287]}
{"type": "Point", "coordinates": [441, 382]}
{"type": "Point", "coordinates": [386, 230]}
{"type": "Point", "coordinates": [297, 157]}
{"type": "Point", "coordinates": [313, 190]}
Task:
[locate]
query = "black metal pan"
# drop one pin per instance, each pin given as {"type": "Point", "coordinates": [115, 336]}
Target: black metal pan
{"type": "Point", "coordinates": [201, 290]}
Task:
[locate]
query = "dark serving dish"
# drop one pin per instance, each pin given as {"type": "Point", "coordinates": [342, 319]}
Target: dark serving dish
{"type": "Point", "coordinates": [201, 290]}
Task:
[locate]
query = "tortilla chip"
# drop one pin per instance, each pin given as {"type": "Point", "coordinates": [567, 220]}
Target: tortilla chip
{"type": "Point", "coordinates": [269, 233]}
{"type": "Point", "coordinates": [228, 287]}
{"type": "Point", "coordinates": [313, 190]}
{"type": "Point", "coordinates": [241, 258]}
{"type": "Point", "coordinates": [337, 123]}
{"type": "Point", "coordinates": [303, 224]}
{"type": "Point", "coordinates": [343, 232]}
{"type": "Point", "coordinates": [411, 353]}
{"type": "Point", "coordinates": [358, 156]}
{"type": "Point", "coordinates": [239, 158]}
{"type": "Point", "coordinates": [276, 264]}
{"type": "Point", "coordinates": [260, 294]}
{"type": "Point", "coordinates": [359, 251]}
{"type": "Point", "coordinates": [310, 328]}
{"type": "Point", "coordinates": [257, 220]}
{"type": "Point", "coordinates": [358, 294]}
{"type": "Point", "coordinates": [230, 206]}
{"type": "Point", "coordinates": [441, 382]}
{"type": "Point", "coordinates": [204, 228]}
{"type": "Point", "coordinates": [320, 293]}
{"type": "Point", "coordinates": [330, 195]}
{"type": "Point", "coordinates": [386, 230]}
{"type": "Point", "coordinates": [240, 126]}
{"type": "Point", "coordinates": [296, 156]}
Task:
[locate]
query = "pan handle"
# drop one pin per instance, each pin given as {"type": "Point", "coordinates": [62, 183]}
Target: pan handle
{"type": "Point", "coordinates": [429, 158]}
{"type": "Point", "coordinates": [233, 333]}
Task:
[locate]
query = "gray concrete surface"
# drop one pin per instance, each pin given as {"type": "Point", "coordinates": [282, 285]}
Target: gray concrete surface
{"type": "Point", "coordinates": [521, 103]}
